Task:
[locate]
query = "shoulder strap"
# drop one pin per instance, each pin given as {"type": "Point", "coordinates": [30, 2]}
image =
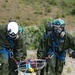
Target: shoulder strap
{"type": "Point", "coordinates": [52, 37]}
{"type": "Point", "coordinates": [54, 43]}
{"type": "Point", "coordinates": [55, 48]}
{"type": "Point", "coordinates": [10, 40]}
{"type": "Point", "coordinates": [4, 51]}
{"type": "Point", "coordinates": [44, 35]}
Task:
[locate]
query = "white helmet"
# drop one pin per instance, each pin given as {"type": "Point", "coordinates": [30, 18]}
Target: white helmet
{"type": "Point", "coordinates": [12, 29]}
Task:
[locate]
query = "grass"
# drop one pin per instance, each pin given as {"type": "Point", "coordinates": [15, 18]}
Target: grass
{"type": "Point", "coordinates": [33, 12]}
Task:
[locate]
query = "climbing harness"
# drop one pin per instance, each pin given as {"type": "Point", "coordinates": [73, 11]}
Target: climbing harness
{"type": "Point", "coordinates": [52, 51]}
{"type": "Point", "coordinates": [4, 50]}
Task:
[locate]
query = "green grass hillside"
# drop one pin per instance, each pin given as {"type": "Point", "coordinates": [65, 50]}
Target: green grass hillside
{"type": "Point", "coordinates": [31, 14]}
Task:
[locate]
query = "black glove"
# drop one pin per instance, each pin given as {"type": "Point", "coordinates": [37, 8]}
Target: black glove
{"type": "Point", "coordinates": [70, 53]}
{"type": "Point", "coordinates": [73, 54]}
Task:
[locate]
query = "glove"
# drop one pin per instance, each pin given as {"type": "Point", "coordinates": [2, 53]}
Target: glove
{"type": "Point", "coordinates": [73, 54]}
{"type": "Point", "coordinates": [70, 53]}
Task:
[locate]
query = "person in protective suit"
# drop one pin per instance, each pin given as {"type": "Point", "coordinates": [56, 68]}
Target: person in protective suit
{"type": "Point", "coordinates": [57, 42]}
{"type": "Point", "coordinates": [40, 54]}
{"type": "Point", "coordinates": [12, 48]}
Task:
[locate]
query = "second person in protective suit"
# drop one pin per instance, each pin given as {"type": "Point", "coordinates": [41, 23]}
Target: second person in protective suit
{"type": "Point", "coordinates": [57, 43]}
{"type": "Point", "coordinates": [40, 51]}
{"type": "Point", "coordinates": [55, 46]}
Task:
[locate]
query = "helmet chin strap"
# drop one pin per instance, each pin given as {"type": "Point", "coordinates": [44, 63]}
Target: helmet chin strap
{"type": "Point", "coordinates": [12, 37]}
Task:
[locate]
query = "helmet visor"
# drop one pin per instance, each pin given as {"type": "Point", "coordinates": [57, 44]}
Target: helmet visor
{"type": "Point", "coordinates": [12, 29]}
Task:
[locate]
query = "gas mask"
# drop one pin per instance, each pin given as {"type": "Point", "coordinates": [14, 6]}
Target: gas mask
{"type": "Point", "coordinates": [59, 31]}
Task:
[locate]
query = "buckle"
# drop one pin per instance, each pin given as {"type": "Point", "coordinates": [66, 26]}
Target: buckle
{"type": "Point", "coordinates": [11, 54]}
{"type": "Point", "coordinates": [51, 55]}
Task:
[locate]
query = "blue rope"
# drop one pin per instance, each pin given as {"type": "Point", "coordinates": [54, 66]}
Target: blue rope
{"type": "Point", "coordinates": [26, 67]}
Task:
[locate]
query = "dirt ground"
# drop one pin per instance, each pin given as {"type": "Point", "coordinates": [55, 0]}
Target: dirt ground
{"type": "Point", "coordinates": [69, 68]}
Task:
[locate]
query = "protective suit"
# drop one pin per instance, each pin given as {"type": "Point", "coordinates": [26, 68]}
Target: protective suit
{"type": "Point", "coordinates": [57, 43]}
{"type": "Point", "coordinates": [15, 47]}
{"type": "Point", "coordinates": [40, 52]}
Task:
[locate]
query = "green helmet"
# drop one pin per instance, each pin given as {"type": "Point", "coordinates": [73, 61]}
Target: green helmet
{"type": "Point", "coordinates": [59, 22]}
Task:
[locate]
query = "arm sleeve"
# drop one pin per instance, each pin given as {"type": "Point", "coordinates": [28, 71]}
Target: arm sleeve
{"type": "Point", "coordinates": [71, 40]}
{"type": "Point", "coordinates": [21, 48]}
{"type": "Point", "coordinates": [41, 49]}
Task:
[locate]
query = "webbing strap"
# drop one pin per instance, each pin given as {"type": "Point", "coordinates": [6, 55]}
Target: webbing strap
{"type": "Point", "coordinates": [55, 48]}
{"type": "Point", "coordinates": [4, 51]}
{"type": "Point", "coordinates": [44, 35]}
